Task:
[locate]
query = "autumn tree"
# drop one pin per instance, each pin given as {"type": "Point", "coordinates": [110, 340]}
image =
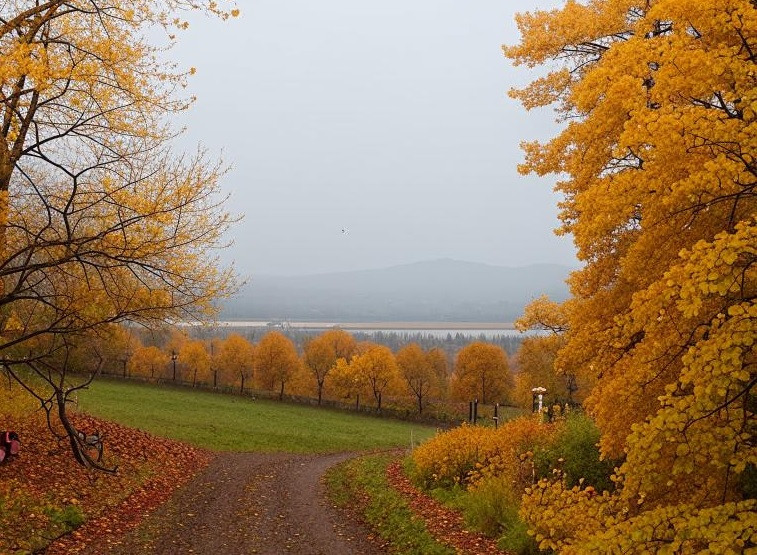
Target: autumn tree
{"type": "Point", "coordinates": [536, 358]}
{"type": "Point", "coordinates": [100, 221]}
{"type": "Point", "coordinates": [418, 370]}
{"type": "Point", "coordinates": [342, 342]}
{"type": "Point", "coordinates": [535, 365]}
{"type": "Point", "coordinates": [195, 358]}
{"type": "Point", "coordinates": [236, 360]}
{"type": "Point", "coordinates": [481, 372]}
{"type": "Point", "coordinates": [322, 352]}
{"type": "Point", "coordinates": [121, 344]}
{"type": "Point", "coordinates": [149, 362]}
{"type": "Point", "coordinates": [657, 167]}
{"type": "Point", "coordinates": [344, 382]}
{"type": "Point", "coordinates": [376, 370]}
{"type": "Point", "coordinates": [276, 361]}
{"type": "Point", "coordinates": [439, 362]}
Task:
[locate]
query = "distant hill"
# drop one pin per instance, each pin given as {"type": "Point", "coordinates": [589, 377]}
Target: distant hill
{"type": "Point", "coordinates": [435, 291]}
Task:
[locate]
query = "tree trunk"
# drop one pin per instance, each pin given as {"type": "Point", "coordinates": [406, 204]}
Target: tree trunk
{"type": "Point", "coordinates": [281, 392]}
{"type": "Point", "coordinates": [73, 437]}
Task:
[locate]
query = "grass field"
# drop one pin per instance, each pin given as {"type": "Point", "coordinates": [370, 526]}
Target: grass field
{"type": "Point", "coordinates": [230, 423]}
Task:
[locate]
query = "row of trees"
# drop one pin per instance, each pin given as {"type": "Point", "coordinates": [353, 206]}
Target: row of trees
{"type": "Point", "coordinates": [451, 343]}
{"type": "Point", "coordinates": [332, 365]}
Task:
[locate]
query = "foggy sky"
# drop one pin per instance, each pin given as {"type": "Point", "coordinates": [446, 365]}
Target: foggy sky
{"type": "Point", "coordinates": [388, 119]}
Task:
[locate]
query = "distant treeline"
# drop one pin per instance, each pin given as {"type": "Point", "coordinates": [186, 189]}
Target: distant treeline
{"type": "Point", "coordinates": [395, 340]}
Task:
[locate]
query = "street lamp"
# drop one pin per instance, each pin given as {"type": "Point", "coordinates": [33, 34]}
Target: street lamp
{"type": "Point", "coordinates": [174, 356]}
{"type": "Point", "coordinates": [538, 398]}
{"type": "Point", "coordinates": [127, 355]}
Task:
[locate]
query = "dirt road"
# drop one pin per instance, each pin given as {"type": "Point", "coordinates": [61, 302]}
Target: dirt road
{"type": "Point", "coordinates": [251, 503]}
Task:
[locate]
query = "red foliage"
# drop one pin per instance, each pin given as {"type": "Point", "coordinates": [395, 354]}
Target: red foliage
{"type": "Point", "coordinates": [45, 479]}
{"type": "Point", "coordinates": [443, 523]}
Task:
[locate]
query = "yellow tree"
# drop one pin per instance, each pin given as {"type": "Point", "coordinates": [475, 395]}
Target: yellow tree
{"type": "Point", "coordinates": [195, 358]}
{"type": "Point", "coordinates": [376, 370]}
{"type": "Point", "coordinates": [276, 361]}
{"type": "Point", "coordinates": [535, 366]}
{"type": "Point", "coordinates": [536, 358]}
{"type": "Point", "coordinates": [100, 222]}
{"type": "Point", "coordinates": [344, 381]}
{"type": "Point", "coordinates": [341, 342]}
{"type": "Point", "coordinates": [418, 371]}
{"type": "Point", "coordinates": [657, 167]}
{"type": "Point", "coordinates": [439, 362]}
{"type": "Point", "coordinates": [149, 362]}
{"type": "Point", "coordinates": [236, 360]}
{"type": "Point", "coordinates": [322, 352]}
{"type": "Point", "coordinates": [121, 344]}
{"type": "Point", "coordinates": [481, 372]}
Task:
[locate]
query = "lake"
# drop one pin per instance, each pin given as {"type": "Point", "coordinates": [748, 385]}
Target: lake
{"type": "Point", "coordinates": [436, 329]}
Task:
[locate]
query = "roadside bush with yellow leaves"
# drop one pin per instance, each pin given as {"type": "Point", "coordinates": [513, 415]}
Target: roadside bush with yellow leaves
{"type": "Point", "coordinates": [469, 454]}
{"type": "Point", "coordinates": [448, 458]}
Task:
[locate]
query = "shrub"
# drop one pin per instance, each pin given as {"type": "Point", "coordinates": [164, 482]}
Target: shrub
{"type": "Point", "coordinates": [448, 458]}
{"type": "Point", "coordinates": [492, 508]}
{"type": "Point", "coordinates": [575, 452]}
{"type": "Point", "coordinates": [468, 454]}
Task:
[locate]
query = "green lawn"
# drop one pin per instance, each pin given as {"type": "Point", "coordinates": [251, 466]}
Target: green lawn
{"type": "Point", "coordinates": [230, 423]}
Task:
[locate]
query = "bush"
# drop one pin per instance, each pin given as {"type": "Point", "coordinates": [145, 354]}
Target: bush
{"type": "Point", "coordinates": [468, 454]}
{"type": "Point", "coordinates": [575, 452]}
{"type": "Point", "coordinates": [492, 508]}
{"type": "Point", "coordinates": [449, 457]}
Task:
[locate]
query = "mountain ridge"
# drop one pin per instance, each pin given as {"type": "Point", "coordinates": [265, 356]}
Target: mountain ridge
{"type": "Point", "coordinates": [441, 290]}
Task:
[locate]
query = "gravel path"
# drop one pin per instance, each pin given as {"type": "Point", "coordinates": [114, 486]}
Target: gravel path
{"type": "Point", "coordinates": [251, 503]}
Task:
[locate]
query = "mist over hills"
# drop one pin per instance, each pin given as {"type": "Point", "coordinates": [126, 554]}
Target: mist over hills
{"type": "Point", "coordinates": [434, 291]}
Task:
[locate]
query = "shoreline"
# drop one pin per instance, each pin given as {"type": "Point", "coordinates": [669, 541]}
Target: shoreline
{"type": "Point", "coordinates": [274, 324]}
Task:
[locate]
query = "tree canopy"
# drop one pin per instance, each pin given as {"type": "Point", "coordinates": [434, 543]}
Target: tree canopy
{"type": "Point", "coordinates": [656, 162]}
{"type": "Point", "coordinates": [481, 372]}
{"type": "Point", "coordinates": [100, 220]}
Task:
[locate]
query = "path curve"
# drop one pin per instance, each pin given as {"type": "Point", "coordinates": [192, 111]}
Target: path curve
{"type": "Point", "coordinates": [251, 503]}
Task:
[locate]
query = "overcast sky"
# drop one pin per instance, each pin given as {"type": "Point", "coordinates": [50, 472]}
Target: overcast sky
{"type": "Point", "coordinates": [389, 120]}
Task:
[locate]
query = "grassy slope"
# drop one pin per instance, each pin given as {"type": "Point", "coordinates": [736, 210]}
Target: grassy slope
{"type": "Point", "coordinates": [230, 423]}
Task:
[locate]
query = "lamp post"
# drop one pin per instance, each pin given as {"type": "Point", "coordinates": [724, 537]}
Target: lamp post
{"type": "Point", "coordinates": [174, 356]}
{"type": "Point", "coordinates": [125, 360]}
{"type": "Point", "coordinates": [538, 398]}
